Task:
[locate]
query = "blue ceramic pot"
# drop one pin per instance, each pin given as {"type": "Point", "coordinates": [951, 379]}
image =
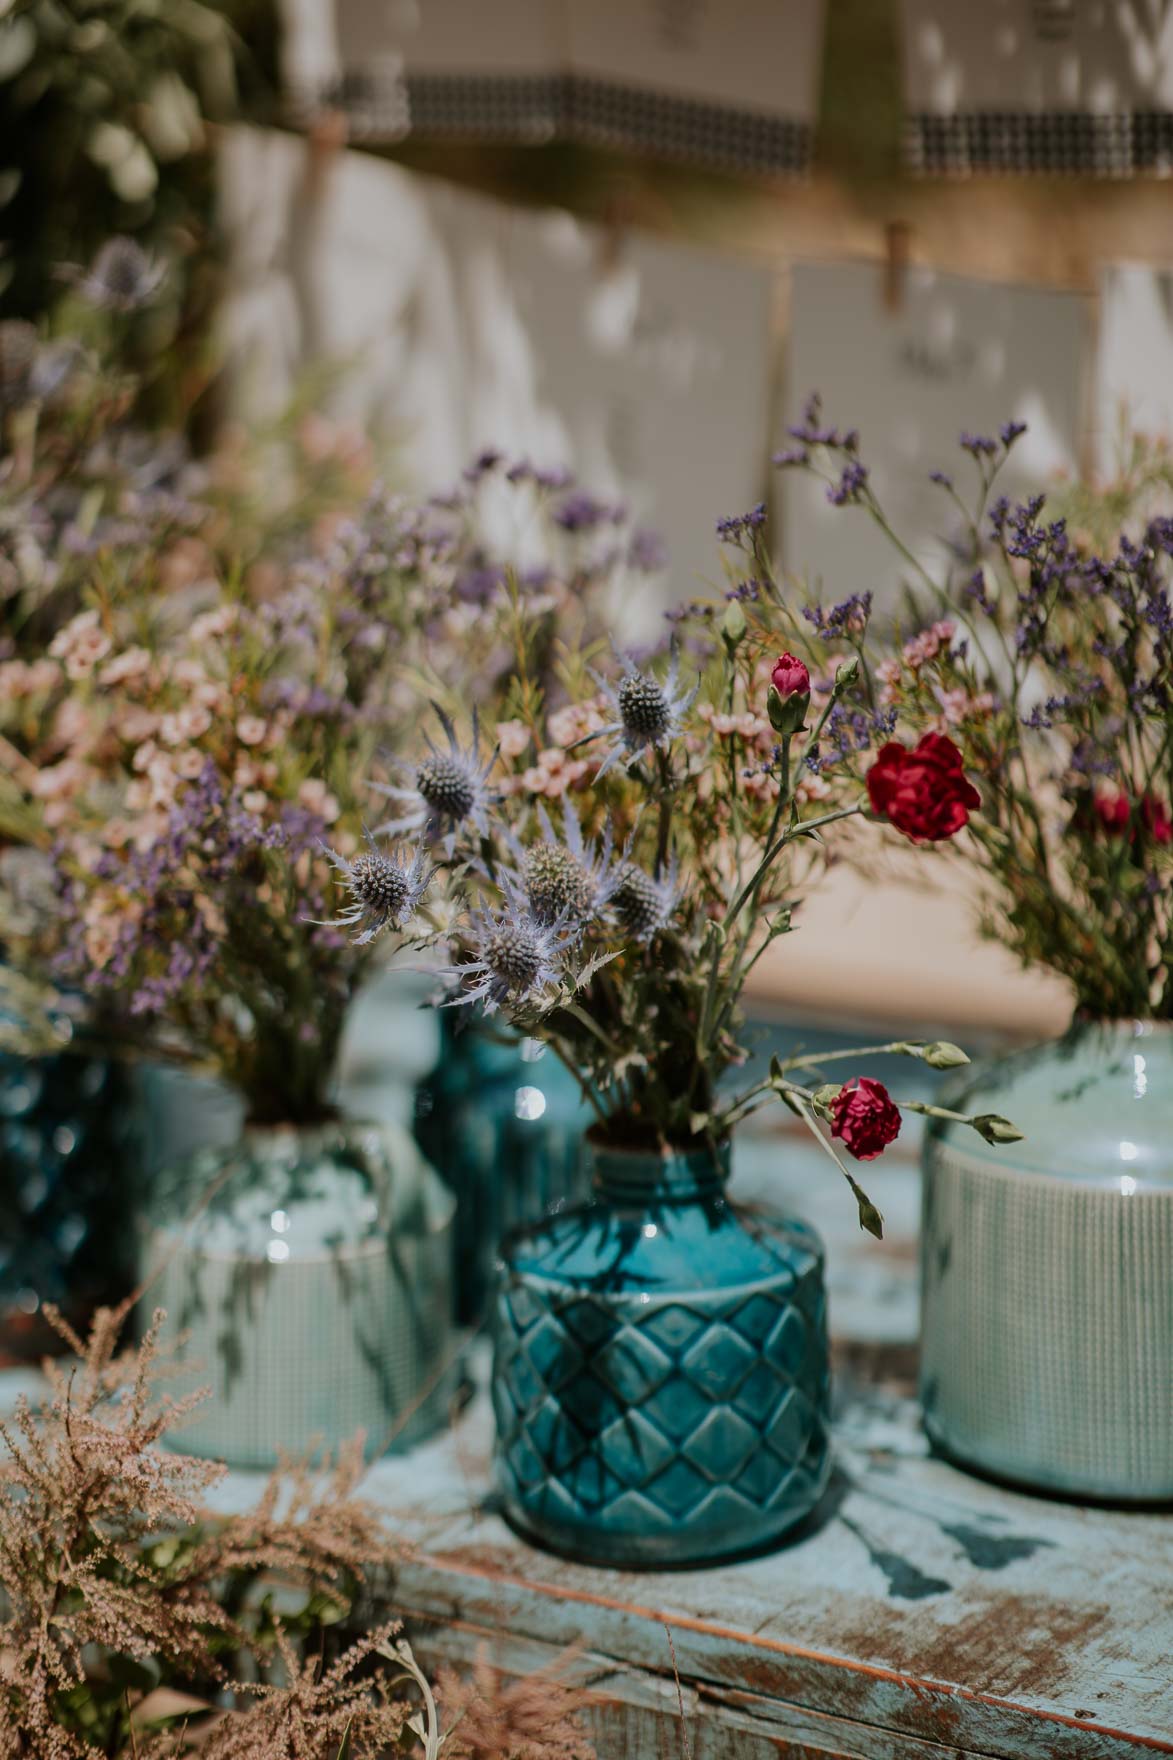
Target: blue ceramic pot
{"type": "Point", "coordinates": [660, 1373]}
{"type": "Point", "coordinates": [1047, 1269]}
{"type": "Point", "coordinates": [504, 1126]}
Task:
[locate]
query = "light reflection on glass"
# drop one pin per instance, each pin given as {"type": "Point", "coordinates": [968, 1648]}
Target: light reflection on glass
{"type": "Point", "coordinates": [529, 1103]}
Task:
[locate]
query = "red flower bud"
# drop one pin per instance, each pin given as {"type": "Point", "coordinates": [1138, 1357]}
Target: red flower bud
{"type": "Point", "coordinates": [1114, 812]}
{"type": "Point", "coordinates": [1156, 818]}
{"type": "Point", "coordinates": [924, 793]}
{"type": "Point", "coordinates": [790, 677]}
{"type": "Point", "coordinates": [865, 1118]}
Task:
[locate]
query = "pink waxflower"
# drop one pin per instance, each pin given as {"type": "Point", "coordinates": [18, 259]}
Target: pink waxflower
{"type": "Point", "coordinates": [790, 677]}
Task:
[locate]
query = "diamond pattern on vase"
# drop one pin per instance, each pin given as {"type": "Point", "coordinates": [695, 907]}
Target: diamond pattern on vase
{"type": "Point", "coordinates": [703, 1417]}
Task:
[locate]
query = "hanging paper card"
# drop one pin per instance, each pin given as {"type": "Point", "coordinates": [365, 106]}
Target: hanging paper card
{"type": "Point", "coordinates": [1039, 85]}
{"type": "Point", "coordinates": [441, 67]}
{"type": "Point", "coordinates": [957, 354]}
{"type": "Point", "coordinates": [1134, 360]}
{"type": "Point", "coordinates": [728, 82]}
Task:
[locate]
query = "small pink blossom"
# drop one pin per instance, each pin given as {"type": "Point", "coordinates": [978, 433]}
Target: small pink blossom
{"type": "Point", "coordinates": [58, 782]}
{"type": "Point", "coordinates": [129, 667]}
{"type": "Point", "coordinates": [251, 730]}
{"type": "Point", "coordinates": [512, 737]}
{"type": "Point", "coordinates": [81, 644]}
{"type": "Point", "coordinates": [576, 720]}
{"type": "Point", "coordinates": [22, 678]}
{"type": "Point", "coordinates": [188, 723]}
{"type": "Point", "coordinates": [211, 624]}
{"type": "Point", "coordinates": [136, 724]}
{"type": "Point", "coordinates": [316, 798]}
{"type": "Point", "coordinates": [255, 801]}
{"type": "Point", "coordinates": [189, 763]}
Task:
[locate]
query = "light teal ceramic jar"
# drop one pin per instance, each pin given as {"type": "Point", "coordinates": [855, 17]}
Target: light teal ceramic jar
{"type": "Point", "coordinates": [660, 1373]}
{"type": "Point", "coordinates": [1047, 1269]}
{"type": "Point", "coordinates": [310, 1270]}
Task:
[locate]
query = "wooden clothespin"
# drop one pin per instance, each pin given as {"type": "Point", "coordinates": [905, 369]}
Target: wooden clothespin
{"type": "Point", "coordinates": [897, 252]}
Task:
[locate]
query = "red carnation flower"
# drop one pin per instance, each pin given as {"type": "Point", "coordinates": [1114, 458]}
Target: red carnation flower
{"type": "Point", "coordinates": [865, 1118]}
{"type": "Point", "coordinates": [924, 793]}
{"type": "Point", "coordinates": [790, 677]}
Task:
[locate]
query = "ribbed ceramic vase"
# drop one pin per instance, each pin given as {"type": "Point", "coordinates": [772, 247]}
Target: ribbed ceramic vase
{"type": "Point", "coordinates": [1047, 1270]}
{"type": "Point", "coordinates": [660, 1370]}
{"type": "Point", "coordinates": [503, 1123]}
{"type": "Point", "coordinates": [310, 1270]}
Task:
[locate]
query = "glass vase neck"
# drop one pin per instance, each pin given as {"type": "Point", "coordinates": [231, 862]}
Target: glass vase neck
{"type": "Point", "coordinates": [659, 1175]}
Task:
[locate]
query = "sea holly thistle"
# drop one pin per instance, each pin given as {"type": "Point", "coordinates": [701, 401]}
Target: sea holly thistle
{"type": "Point", "coordinates": [707, 791]}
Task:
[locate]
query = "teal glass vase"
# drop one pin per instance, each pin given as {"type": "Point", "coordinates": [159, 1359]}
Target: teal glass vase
{"type": "Point", "coordinates": [503, 1124]}
{"type": "Point", "coordinates": [1047, 1269]}
{"type": "Point", "coordinates": [660, 1370]}
{"type": "Point", "coordinates": [306, 1272]}
{"type": "Point", "coordinates": [70, 1188]}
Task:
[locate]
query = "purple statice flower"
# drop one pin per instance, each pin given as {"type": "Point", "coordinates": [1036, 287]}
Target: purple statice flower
{"type": "Point", "coordinates": [479, 584]}
{"type": "Point", "coordinates": [849, 617]}
{"type": "Point", "coordinates": [849, 490]}
{"type": "Point", "coordinates": [811, 431]}
{"type": "Point", "coordinates": [482, 464]}
{"type": "Point", "coordinates": [746, 593]}
{"type": "Point", "coordinates": [647, 712]}
{"type": "Point", "coordinates": [1009, 432]}
{"type": "Point", "coordinates": [975, 590]}
{"type": "Point", "coordinates": [581, 512]}
{"type": "Point", "coordinates": [385, 890]}
{"type": "Point", "coordinates": [553, 479]}
{"type": "Point", "coordinates": [737, 527]}
{"type": "Point", "coordinates": [792, 457]}
{"type": "Point", "coordinates": [979, 445]}
{"type": "Point", "coordinates": [942, 479]}
{"type": "Point", "coordinates": [647, 551]}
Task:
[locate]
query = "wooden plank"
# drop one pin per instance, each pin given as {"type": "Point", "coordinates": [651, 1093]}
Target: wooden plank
{"type": "Point", "coordinates": [640, 1704]}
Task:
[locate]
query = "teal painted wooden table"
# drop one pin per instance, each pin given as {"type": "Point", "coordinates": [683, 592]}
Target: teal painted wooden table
{"type": "Point", "coordinates": [924, 1613]}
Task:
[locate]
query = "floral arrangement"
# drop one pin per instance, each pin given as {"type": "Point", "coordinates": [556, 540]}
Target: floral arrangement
{"type": "Point", "coordinates": [138, 1622]}
{"type": "Point", "coordinates": [189, 700]}
{"type": "Point", "coordinates": [1045, 651]}
{"type": "Point", "coordinates": [622, 929]}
